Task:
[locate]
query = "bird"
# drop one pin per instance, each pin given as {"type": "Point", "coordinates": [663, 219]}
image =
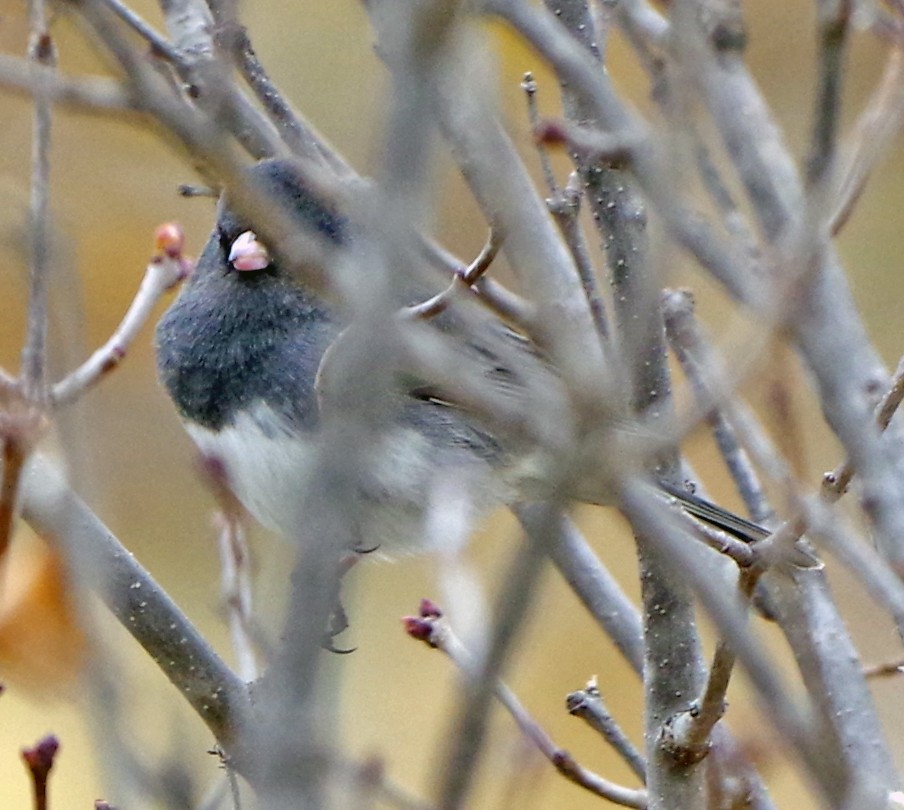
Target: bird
{"type": "Point", "coordinates": [239, 352]}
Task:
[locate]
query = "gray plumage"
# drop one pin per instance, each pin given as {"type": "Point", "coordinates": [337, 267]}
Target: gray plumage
{"type": "Point", "coordinates": [239, 351]}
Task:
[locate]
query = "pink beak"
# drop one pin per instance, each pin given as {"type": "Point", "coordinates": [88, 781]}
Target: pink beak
{"type": "Point", "coordinates": [247, 253]}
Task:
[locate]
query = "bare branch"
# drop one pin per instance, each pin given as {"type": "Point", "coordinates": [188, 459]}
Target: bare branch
{"type": "Point", "coordinates": [816, 750]}
{"type": "Point", "coordinates": [42, 53]}
{"type": "Point", "coordinates": [298, 133]}
{"type": "Point", "coordinates": [509, 613]}
{"type": "Point", "coordinates": [431, 628]}
{"type": "Point", "coordinates": [139, 603]}
{"type": "Point", "coordinates": [588, 704]}
{"type": "Point", "coordinates": [529, 86]}
{"type": "Point", "coordinates": [875, 129]}
{"type": "Point", "coordinates": [689, 734]}
{"type": "Point", "coordinates": [91, 95]}
{"type": "Point", "coordinates": [534, 248]}
{"type": "Point", "coordinates": [158, 43]}
{"type": "Point", "coordinates": [566, 209]}
{"type": "Point", "coordinates": [167, 269]}
{"type": "Point", "coordinates": [686, 341]}
{"type": "Point", "coordinates": [836, 482]}
{"type": "Point", "coordinates": [650, 163]}
{"type": "Point", "coordinates": [834, 21]}
{"type": "Point", "coordinates": [888, 669]}
{"type": "Point", "coordinates": [597, 589]}
{"type": "Point", "coordinates": [509, 306]}
{"type": "Point", "coordinates": [235, 568]}
{"type": "Point", "coordinates": [461, 282]}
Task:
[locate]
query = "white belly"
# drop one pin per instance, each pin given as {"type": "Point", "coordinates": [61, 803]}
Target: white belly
{"type": "Point", "coordinates": [265, 464]}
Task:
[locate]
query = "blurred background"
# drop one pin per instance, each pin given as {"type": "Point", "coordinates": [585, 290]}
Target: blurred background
{"type": "Point", "coordinates": [113, 182]}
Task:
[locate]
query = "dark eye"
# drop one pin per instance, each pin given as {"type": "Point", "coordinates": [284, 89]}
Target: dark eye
{"type": "Point", "coordinates": [226, 239]}
{"type": "Point", "coordinates": [228, 228]}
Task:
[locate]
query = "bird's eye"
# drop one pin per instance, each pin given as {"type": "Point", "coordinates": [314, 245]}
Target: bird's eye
{"type": "Point", "coordinates": [248, 253]}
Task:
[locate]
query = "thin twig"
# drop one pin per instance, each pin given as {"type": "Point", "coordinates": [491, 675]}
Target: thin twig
{"type": "Point", "coordinates": [836, 482]}
{"type": "Point", "coordinates": [652, 163]}
{"type": "Point", "coordinates": [689, 735]}
{"type": "Point", "coordinates": [92, 95]}
{"type": "Point", "coordinates": [232, 780]}
{"type": "Point", "coordinates": [510, 609]}
{"type": "Point", "coordinates": [42, 53]}
{"type": "Point", "coordinates": [592, 147]}
{"type": "Point", "coordinates": [744, 554]}
{"type": "Point", "coordinates": [691, 351]}
{"type": "Point", "coordinates": [236, 593]}
{"type": "Point", "coordinates": [740, 434]}
{"type": "Point", "coordinates": [501, 185]}
{"type": "Point", "coordinates": [165, 270]}
{"type": "Point", "coordinates": [529, 86]}
{"type": "Point", "coordinates": [565, 204]}
{"type": "Point", "coordinates": [888, 669]}
{"type": "Point", "coordinates": [685, 338]}
{"type": "Point", "coordinates": [298, 133]}
{"type": "Point", "coordinates": [820, 314]}
{"type": "Point", "coordinates": [207, 140]}
{"type": "Point", "coordinates": [22, 418]}
{"type": "Point", "coordinates": [235, 567]}
{"type": "Point", "coordinates": [875, 129]}
{"type": "Point", "coordinates": [464, 280]}
{"type": "Point", "coordinates": [210, 85]}
{"type": "Point", "coordinates": [859, 556]}
{"type": "Point", "coordinates": [588, 704]}
{"type": "Point", "coordinates": [833, 31]}
{"type": "Point", "coordinates": [566, 210]}
{"type": "Point", "coordinates": [160, 45]}
{"type": "Point", "coordinates": [597, 589]}
{"type": "Point", "coordinates": [433, 629]}
{"type": "Point", "coordinates": [497, 298]}
{"type": "Point", "coordinates": [620, 619]}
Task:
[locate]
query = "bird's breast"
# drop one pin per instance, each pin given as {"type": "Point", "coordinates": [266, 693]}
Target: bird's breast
{"type": "Point", "coordinates": [219, 355]}
{"type": "Point", "coordinates": [265, 462]}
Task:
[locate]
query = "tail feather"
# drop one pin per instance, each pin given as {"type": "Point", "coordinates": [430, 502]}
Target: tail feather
{"type": "Point", "coordinates": [716, 516]}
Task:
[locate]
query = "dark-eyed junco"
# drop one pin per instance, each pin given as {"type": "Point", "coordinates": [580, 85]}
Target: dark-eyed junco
{"type": "Point", "coordinates": [239, 353]}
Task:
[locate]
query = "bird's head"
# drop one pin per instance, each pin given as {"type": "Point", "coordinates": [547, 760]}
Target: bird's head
{"type": "Point", "coordinates": [286, 189]}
